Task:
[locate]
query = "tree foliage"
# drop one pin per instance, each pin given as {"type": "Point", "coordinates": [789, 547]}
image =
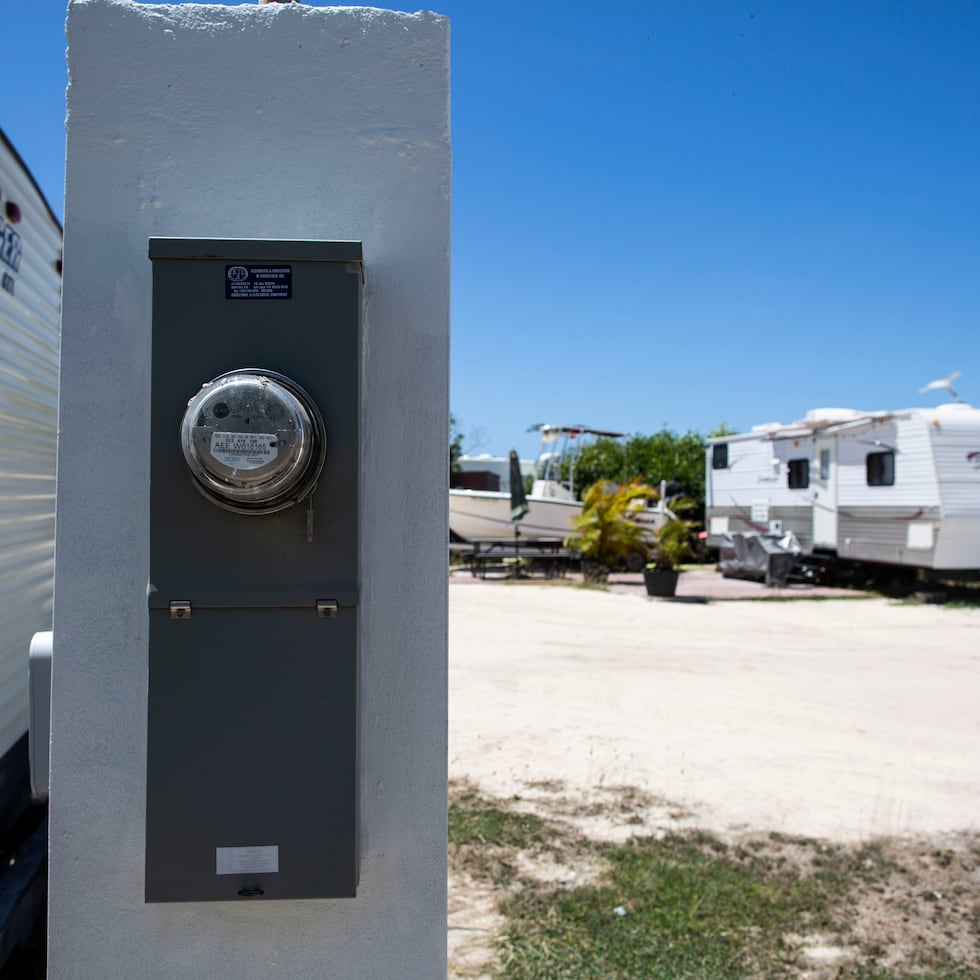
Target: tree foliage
{"type": "Point", "coordinates": [455, 444]}
{"type": "Point", "coordinates": [665, 455]}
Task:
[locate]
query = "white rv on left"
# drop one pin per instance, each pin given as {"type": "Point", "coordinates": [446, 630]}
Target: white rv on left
{"type": "Point", "coordinates": [30, 300]}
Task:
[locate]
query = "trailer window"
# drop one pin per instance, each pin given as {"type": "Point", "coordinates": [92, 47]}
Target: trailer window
{"type": "Point", "coordinates": [881, 469]}
{"type": "Point", "coordinates": [719, 456]}
{"type": "Point", "coordinates": [798, 474]}
{"type": "Point", "coordinates": [824, 464]}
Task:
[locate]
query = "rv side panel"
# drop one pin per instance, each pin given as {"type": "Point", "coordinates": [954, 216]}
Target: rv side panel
{"type": "Point", "coordinates": [888, 499]}
{"type": "Point", "coordinates": [752, 491]}
{"type": "Point", "coordinates": [887, 534]}
{"type": "Point", "coordinates": [955, 431]}
{"type": "Point", "coordinates": [30, 251]}
{"type": "Point", "coordinates": [913, 483]}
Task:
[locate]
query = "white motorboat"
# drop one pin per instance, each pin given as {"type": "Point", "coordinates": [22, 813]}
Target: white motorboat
{"type": "Point", "coordinates": [552, 508]}
{"type": "Point", "coordinates": [483, 514]}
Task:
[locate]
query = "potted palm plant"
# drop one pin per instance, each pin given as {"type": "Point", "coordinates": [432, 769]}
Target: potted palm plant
{"type": "Point", "coordinates": [605, 534]}
{"type": "Point", "coordinates": [671, 547]}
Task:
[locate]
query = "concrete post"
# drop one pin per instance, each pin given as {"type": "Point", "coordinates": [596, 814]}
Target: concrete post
{"type": "Point", "coordinates": [260, 121]}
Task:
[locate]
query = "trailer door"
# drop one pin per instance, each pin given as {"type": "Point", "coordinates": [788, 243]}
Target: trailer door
{"type": "Point", "coordinates": [825, 495]}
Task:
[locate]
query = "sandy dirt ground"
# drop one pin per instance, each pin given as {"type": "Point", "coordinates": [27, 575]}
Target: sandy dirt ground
{"type": "Point", "coordinates": [847, 719]}
{"type": "Point", "coordinates": [839, 718]}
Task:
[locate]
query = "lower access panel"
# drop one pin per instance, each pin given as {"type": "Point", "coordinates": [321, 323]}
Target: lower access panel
{"type": "Point", "coordinates": [252, 755]}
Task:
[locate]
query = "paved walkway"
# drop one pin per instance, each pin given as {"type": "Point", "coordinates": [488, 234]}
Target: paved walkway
{"type": "Point", "coordinates": [693, 585]}
{"type": "Point", "coordinates": [709, 584]}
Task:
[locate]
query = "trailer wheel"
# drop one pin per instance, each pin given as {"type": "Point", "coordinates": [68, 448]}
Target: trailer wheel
{"type": "Point", "coordinates": [899, 584]}
{"type": "Point", "coordinates": [636, 561]}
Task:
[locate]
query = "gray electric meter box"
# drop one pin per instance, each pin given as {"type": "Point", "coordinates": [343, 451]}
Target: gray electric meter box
{"type": "Point", "coordinates": [252, 769]}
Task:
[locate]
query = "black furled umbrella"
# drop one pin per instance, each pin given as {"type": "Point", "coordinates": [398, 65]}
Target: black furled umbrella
{"type": "Point", "coordinates": [518, 499]}
{"type": "Point", "coordinates": [518, 506]}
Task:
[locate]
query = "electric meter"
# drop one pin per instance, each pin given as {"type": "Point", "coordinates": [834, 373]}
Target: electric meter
{"type": "Point", "coordinates": [254, 441]}
{"type": "Point", "coordinates": [234, 811]}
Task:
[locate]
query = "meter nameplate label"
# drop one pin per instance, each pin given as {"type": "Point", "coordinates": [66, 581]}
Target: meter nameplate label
{"type": "Point", "coordinates": [247, 860]}
{"type": "Point", "coordinates": [258, 282]}
{"type": "Point", "coordinates": [244, 450]}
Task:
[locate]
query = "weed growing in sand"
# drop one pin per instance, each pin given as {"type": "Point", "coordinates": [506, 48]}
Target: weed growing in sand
{"type": "Point", "coordinates": [485, 836]}
{"type": "Point", "coordinates": [476, 820]}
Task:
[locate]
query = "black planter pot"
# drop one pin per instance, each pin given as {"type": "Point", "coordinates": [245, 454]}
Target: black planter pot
{"type": "Point", "coordinates": [660, 583]}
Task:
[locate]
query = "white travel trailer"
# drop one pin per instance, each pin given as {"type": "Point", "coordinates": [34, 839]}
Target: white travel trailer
{"type": "Point", "coordinates": [30, 294]}
{"type": "Point", "coordinates": [887, 490]}
{"type": "Point", "coordinates": [30, 299]}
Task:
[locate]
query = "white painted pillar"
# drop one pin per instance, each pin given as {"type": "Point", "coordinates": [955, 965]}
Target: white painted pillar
{"type": "Point", "coordinates": [271, 121]}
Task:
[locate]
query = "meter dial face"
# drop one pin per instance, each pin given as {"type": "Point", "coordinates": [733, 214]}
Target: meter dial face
{"type": "Point", "coordinates": [253, 440]}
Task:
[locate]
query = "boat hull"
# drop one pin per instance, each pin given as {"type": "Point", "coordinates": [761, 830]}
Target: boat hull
{"type": "Point", "coordinates": [484, 514]}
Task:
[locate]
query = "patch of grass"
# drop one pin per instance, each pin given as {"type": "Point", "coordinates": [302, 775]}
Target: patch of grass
{"type": "Point", "coordinates": [803, 597]}
{"type": "Point", "coordinates": [694, 906]}
{"type": "Point", "coordinates": [839, 867]}
{"type": "Point", "coordinates": [485, 835]}
{"type": "Point", "coordinates": [675, 907]}
{"type": "Point", "coordinates": [473, 819]}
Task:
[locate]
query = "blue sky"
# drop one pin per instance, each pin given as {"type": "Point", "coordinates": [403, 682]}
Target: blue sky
{"type": "Point", "coordinates": [679, 214]}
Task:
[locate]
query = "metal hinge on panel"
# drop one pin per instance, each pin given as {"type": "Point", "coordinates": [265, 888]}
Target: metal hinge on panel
{"type": "Point", "coordinates": [326, 608]}
{"type": "Point", "coordinates": [180, 609]}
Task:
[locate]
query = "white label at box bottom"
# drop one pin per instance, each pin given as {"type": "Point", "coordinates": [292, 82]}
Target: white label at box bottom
{"type": "Point", "coordinates": [247, 860]}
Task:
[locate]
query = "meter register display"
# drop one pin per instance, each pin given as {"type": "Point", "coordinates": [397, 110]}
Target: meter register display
{"type": "Point", "coordinates": [254, 441]}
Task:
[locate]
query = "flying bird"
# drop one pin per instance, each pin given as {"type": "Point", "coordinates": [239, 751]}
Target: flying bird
{"type": "Point", "coordinates": [946, 383]}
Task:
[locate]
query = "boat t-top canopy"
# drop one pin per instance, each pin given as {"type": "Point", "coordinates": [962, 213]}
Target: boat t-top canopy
{"type": "Point", "coordinates": [552, 477]}
{"type": "Point", "coordinates": [552, 433]}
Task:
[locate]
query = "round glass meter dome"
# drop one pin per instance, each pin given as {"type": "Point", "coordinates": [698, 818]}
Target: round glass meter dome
{"type": "Point", "coordinates": [254, 441]}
